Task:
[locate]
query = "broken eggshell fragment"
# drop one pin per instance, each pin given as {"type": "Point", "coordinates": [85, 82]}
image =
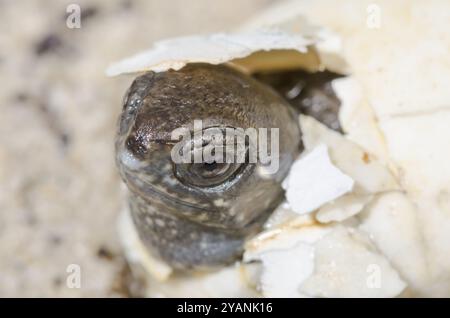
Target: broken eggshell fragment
{"type": "Point", "coordinates": [314, 260]}
{"type": "Point", "coordinates": [314, 180]}
{"type": "Point", "coordinates": [303, 251]}
{"type": "Point", "coordinates": [267, 49]}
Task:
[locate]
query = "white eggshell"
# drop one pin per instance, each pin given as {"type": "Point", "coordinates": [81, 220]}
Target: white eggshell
{"type": "Point", "coordinates": [346, 266]}
{"type": "Point", "coordinates": [313, 180]}
{"type": "Point", "coordinates": [369, 174]}
{"type": "Point", "coordinates": [400, 64]}
{"type": "Point", "coordinates": [343, 207]}
{"type": "Point", "coordinates": [285, 270]}
{"type": "Point", "coordinates": [287, 256]}
{"type": "Point", "coordinates": [392, 222]}
{"type": "Point", "coordinates": [213, 49]}
{"type": "Point", "coordinates": [310, 260]}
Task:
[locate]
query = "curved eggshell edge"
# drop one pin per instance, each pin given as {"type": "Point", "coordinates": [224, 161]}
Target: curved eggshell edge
{"type": "Point", "coordinates": [257, 50]}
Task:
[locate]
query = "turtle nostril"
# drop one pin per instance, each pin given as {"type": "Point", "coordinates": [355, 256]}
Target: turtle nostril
{"type": "Point", "coordinates": [136, 146]}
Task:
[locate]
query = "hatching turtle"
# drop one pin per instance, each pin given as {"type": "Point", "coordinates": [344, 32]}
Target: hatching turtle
{"type": "Point", "coordinates": [196, 215]}
{"type": "Point", "coordinates": [394, 117]}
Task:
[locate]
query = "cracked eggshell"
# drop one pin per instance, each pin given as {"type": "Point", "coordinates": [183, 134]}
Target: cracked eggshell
{"type": "Point", "coordinates": [396, 103]}
{"type": "Point", "coordinates": [249, 51]}
{"type": "Point", "coordinates": [358, 119]}
{"type": "Point", "coordinates": [311, 260]}
{"type": "Point", "coordinates": [285, 270]}
{"type": "Point", "coordinates": [369, 174]}
{"type": "Point", "coordinates": [302, 229]}
{"type": "Point", "coordinates": [392, 223]}
{"type": "Point", "coordinates": [282, 214]}
{"type": "Point", "coordinates": [343, 208]}
{"type": "Point", "coordinates": [315, 183]}
{"type": "Point", "coordinates": [349, 266]}
{"type": "Point", "coordinates": [313, 180]}
{"type": "Point", "coordinates": [419, 144]}
{"type": "Point", "coordinates": [286, 252]}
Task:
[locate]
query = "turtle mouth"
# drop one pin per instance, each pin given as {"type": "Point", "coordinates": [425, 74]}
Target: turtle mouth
{"type": "Point", "coordinates": [205, 216]}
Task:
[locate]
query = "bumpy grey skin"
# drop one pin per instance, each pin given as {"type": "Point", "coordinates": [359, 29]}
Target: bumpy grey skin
{"type": "Point", "coordinates": [189, 221]}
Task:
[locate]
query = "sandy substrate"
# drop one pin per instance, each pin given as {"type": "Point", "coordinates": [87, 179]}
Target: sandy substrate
{"type": "Point", "coordinates": [59, 189]}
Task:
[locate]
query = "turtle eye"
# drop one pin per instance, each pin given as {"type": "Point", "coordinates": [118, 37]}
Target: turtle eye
{"type": "Point", "coordinates": [206, 174]}
{"type": "Point", "coordinates": [210, 172]}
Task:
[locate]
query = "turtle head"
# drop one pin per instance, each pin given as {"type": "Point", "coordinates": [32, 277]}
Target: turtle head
{"type": "Point", "coordinates": [186, 145]}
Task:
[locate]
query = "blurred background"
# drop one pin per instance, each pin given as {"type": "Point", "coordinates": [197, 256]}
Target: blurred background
{"type": "Point", "coordinates": [59, 189]}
